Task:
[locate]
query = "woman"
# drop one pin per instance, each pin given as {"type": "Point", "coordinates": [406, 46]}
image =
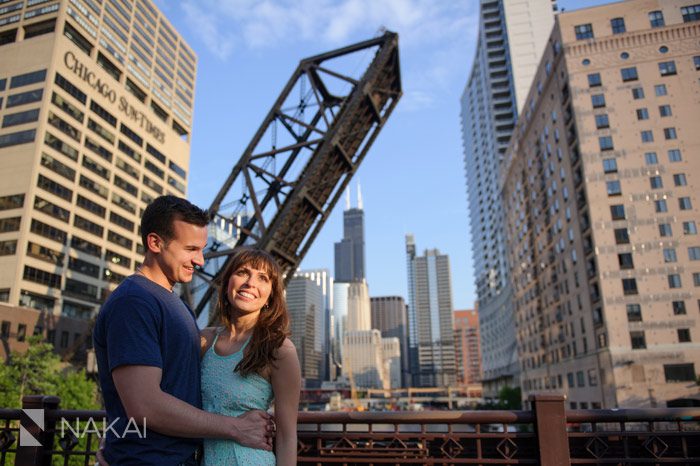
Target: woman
{"type": "Point", "coordinates": [249, 361]}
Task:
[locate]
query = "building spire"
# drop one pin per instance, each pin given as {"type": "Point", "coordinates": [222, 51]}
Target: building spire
{"type": "Point", "coordinates": [347, 198]}
{"type": "Point", "coordinates": [359, 196]}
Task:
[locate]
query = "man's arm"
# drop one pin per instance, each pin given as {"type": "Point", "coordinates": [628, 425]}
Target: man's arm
{"type": "Point", "coordinates": [140, 393]}
{"type": "Point", "coordinates": [286, 386]}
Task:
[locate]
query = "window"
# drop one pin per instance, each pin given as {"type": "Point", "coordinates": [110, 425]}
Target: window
{"type": "Point", "coordinates": [609, 165]}
{"type": "Point", "coordinates": [629, 74]}
{"type": "Point", "coordinates": [637, 93]}
{"type": "Point", "coordinates": [598, 100]}
{"type": "Point", "coordinates": [21, 332]}
{"type": "Point", "coordinates": [665, 111]}
{"type": "Point", "coordinates": [115, 258]}
{"type": "Point", "coordinates": [642, 114]}
{"type": "Point", "coordinates": [656, 19]}
{"type": "Point", "coordinates": [580, 379]}
{"type": "Point", "coordinates": [679, 372]}
{"type": "Point", "coordinates": [605, 143]}
{"type": "Point", "coordinates": [618, 25]}
{"type": "Point", "coordinates": [684, 203]}
{"type": "Point", "coordinates": [670, 255]}
{"type": "Point", "coordinates": [625, 261]}
{"type": "Point", "coordinates": [155, 153]}
{"type": "Point", "coordinates": [594, 80]}
{"type": "Point", "coordinates": [92, 186]}
{"type": "Point", "coordinates": [667, 68]}
{"type": "Point", "coordinates": [678, 308]}
{"type": "Point", "coordinates": [85, 246]}
{"type": "Point", "coordinates": [42, 277]}
{"type": "Point", "coordinates": [660, 90]}
{"type": "Point", "coordinates": [14, 201]}
{"type": "Point", "coordinates": [64, 126]}
{"type": "Point", "coordinates": [67, 86]}
{"type": "Point", "coordinates": [601, 121]}
{"type": "Point", "coordinates": [689, 228]}
{"type": "Point", "coordinates": [622, 236]}
{"type": "Point", "coordinates": [27, 79]}
{"type": "Point", "coordinates": [95, 167]}
{"type": "Point", "coordinates": [683, 335]}
{"type": "Point", "coordinates": [84, 267]}
{"type": "Point", "coordinates": [70, 109]}
{"type": "Point", "coordinates": [583, 31]}
{"type": "Point", "coordinates": [696, 62]}
{"type": "Point", "coordinates": [128, 132]}
{"type": "Point", "coordinates": [77, 38]}
{"type": "Point", "coordinates": [9, 224]}
{"type": "Point", "coordinates": [629, 286]}
{"type": "Point", "coordinates": [183, 174]}
{"type": "Point", "coordinates": [47, 184]}
{"type": "Point", "coordinates": [51, 209]}
{"type": "Point", "coordinates": [674, 281]}
{"type": "Point", "coordinates": [617, 211]}
{"type": "Point", "coordinates": [80, 289]}
{"type": "Point", "coordinates": [119, 239]}
{"type": "Point", "coordinates": [660, 205]}
{"type": "Point", "coordinates": [121, 221]}
{"type": "Point", "coordinates": [613, 188]}
{"type": "Point", "coordinates": [20, 118]}
{"type": "Point", "coordinates": [670, 133]}
{"type": "Point", "coordinates": [98, 149]}
{"type": "Point", "coordinates": [634, 313]}
{"type": "Point", "coordinates": [674, 155]}
{"type": "Point", "coordinates": [125, 185]}
{"type": "Point", "coordinates": [690, 13]}
{"type": "Point", "coordinates": [638, 340]}
{"type": "Point", "coordinates": [647, 136]}
{"type": "Point", "coordinates": [24, 98]}
{"type": "Point", "coordinates": [87, 225]}
{"type": "Point", "coordinates": [60, 146]}
{"type": "Point", "coordinates": [656, 182]}
{"type": "Point", "coordinates": [47, 231]}
{"type": "Point", "coordinates": [694, 253]}
{"type": "Point", "coordinates": [696, 278]}
{"type": "Point", "coordinates": [650, 158]}
{"type": "Point", "coordinates": [46, 254]}
{"type": "Point", "coordinates": [91, 206]}
{"type": "Point", "coordinates": [679, 179]}
{"type": "Point", "coordinates": [102, 113]}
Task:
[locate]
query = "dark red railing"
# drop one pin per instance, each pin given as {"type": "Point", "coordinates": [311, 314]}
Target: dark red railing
{"type": "Point", "coordinates": [547, 435]}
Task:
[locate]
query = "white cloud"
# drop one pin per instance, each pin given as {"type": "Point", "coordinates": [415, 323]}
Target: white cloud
{"type": "Point", "coordinates": [436, 36]}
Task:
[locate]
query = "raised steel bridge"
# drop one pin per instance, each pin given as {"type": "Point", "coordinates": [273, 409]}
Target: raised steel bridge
{"type": "Point", "coordinates": [285, 185]}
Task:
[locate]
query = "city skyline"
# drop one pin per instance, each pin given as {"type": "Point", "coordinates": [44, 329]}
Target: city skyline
{"type": "Point", "coordinates": [240, 76]}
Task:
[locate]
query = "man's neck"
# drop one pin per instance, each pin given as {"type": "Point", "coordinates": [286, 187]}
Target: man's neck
{"type": "Point", "coordinates": [151, 271]}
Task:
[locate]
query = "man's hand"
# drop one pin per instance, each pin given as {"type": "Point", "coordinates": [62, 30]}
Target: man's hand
{"type": "Point", "coordinates": [254, 429]}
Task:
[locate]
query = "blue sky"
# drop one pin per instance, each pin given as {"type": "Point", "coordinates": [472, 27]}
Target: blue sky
{"type": "Point", "coordinates": [413, 177]}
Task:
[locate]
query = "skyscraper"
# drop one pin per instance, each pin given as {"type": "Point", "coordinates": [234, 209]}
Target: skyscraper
{"type": "Point", "coordinates": [512, 35]}
{"type": "Point", "coordinates": [467, 347]}
{"type": "Point", "coordinates": [306, 304]}
{"type": "Point", "coordinates": [96, 100]}
{"type": "Point", "coordinates": [432, 291]}
{"type": "Point", "coordinates": [389, 317]}
{"type": "Point", "coordinates": [600, 188]}
{"type": "Point", "coordinates": [323, 321]}
{"type": "Point", "coordinates": [350, 251]}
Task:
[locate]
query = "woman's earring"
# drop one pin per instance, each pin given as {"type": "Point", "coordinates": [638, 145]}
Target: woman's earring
{"type": "Point", "coordinates": [266, 307]}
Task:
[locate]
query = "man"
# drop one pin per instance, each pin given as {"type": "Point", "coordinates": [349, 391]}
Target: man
{"type": "Point", "coordinates": [147, 347]}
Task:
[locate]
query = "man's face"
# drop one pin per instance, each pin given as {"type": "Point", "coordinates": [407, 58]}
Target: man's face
{"type": "Point", "coordinates": [178, 257]}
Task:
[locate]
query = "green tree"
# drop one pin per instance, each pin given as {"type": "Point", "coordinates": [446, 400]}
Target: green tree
{"type": "Point", "coordinates": [39, 371]}
{"type": "Point", "coordinates": [509, 398]}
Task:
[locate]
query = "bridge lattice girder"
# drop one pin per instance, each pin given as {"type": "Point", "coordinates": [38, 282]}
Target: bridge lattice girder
{"type": "Point", "coordinates": [285, 185]}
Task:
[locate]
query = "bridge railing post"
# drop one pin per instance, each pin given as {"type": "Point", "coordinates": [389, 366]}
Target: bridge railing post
{"type": "Point", "coordinates": [36, 431]}
{"type": "Point", "coordinates": [550, 423]}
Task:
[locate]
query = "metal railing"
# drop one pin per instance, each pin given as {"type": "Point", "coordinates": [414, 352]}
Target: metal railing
{"type": "Point", "coordinates": [548, 435]}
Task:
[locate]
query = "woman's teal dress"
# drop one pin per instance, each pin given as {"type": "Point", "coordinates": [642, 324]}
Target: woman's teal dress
{"type": "Point", "coordinates": [227, 392]}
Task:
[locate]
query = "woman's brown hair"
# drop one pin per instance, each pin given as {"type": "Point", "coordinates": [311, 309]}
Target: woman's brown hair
{"type": "Point", "coordinates": [273, 321]}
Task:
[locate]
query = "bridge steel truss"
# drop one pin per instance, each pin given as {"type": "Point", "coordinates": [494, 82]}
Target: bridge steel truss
{"type": "Point", "coordinates": [285, 185]}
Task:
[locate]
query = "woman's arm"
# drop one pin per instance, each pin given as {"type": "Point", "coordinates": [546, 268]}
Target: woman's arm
{"type": "Point", "coordinates": [286, 386]}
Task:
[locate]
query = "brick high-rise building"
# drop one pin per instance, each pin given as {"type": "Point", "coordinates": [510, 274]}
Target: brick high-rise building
{"type": "Point", "coordinates": [467, 347]}
{"type": "Point", "coordinates": [600, 187]}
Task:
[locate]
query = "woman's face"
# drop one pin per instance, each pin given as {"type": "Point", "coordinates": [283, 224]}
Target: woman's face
{"type": "Point", "coordinates": [249, 288]}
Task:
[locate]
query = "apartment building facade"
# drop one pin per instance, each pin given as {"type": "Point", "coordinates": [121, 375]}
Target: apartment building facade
{"type": "Point", "coordinates": [600, 190]}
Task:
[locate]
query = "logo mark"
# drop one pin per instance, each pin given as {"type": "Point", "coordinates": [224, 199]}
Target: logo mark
{"type": "Point", "coordinates": [25, 438]}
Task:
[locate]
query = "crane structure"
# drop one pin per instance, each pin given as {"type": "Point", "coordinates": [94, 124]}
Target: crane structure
{"type": "Point", "coordinates": [291, 175]}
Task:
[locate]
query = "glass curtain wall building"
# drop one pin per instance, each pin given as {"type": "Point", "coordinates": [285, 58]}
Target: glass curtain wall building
{"type": "Point", "coordinates": [512, 35]}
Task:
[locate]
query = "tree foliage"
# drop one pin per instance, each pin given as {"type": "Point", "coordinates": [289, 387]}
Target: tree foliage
{"type": "Point", "coordinates": [39, 371]}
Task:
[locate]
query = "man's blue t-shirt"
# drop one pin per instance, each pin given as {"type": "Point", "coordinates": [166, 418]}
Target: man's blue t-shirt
{"type": "Point", "coordinates": [143, 324]}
